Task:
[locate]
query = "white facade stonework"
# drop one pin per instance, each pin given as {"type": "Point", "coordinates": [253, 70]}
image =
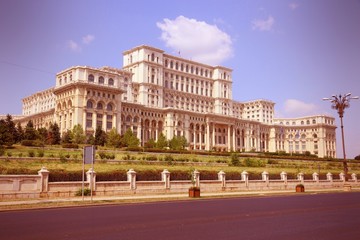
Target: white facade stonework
{"type": "Point", "coordinates": [159, 93]}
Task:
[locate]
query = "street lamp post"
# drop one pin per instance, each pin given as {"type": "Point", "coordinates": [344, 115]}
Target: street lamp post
{"type": "Point", "coordinates": [339, 103]}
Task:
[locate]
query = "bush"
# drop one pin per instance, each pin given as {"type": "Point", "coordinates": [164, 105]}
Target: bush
{"type": "Point", "coordinates": [169, 159]}
{"type": "Point", "coordinates": [31, 153]}
{"type": "Point", "coordinates": [111, 176]}
{"type": "Point", "coordinates": [28, 143]}
{"type": "Point", "coordinates": [40, 153]}
{"type": "Point", "coordinates": [64, 176]}
{"type": "Point", "coordinates": [102, 155]}
{"type": "Point", "coordinates": [87, 192]}
{"type": "Point", "coordinates": [249, 162]}
{"type": "Point", "coordinates": [9, 154]}
{"type": "Point", "coordinates": [2, 151]}
{"type": "Point", "coordinates": [235, 159]}
{"type": "Point", "coordinates": [70, 145]}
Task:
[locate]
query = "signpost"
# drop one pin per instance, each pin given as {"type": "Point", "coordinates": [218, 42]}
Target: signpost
{"type": "Point", "coordinates": [88, 158]}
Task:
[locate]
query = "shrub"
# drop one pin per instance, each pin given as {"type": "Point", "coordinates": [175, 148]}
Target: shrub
{"type": "Point", "coordinates": [111, 176]}
{"type": "Point", "coordinates": [64, 176]}
{"type": "Point", "coordinates": [9, 154]}
{"type": "Point", "coordinates": [40, 153]}
{"type": "Point", "coordinates": [87, 192]}
{"type": "Point", "coordinates": [28, 143]}
{"type": "Point", "coordinates": [151, 158]}
{"type": "Point", "coordinates": [169, 159]}
{"type": "Point", "coordinates": [70, 145]}
{"type": "Point", "coordinates": [2, 151]}
{"type": "Point", "coordinates": [102, 155]}
{"type": "Point", "coordinates": [31, 153]}
{"type": "Point", "coordinates": [235, 159]}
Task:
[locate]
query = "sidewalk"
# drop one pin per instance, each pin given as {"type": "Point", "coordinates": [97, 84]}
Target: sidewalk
{"type": "Point", "coordinates": [99, 199]}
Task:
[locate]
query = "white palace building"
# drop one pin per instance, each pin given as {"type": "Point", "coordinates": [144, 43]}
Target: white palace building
{"type": "Point", "coordinates": [157, 93]}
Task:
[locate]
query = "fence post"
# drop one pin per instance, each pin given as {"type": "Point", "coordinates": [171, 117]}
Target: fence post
{"type": "Point", "coordinates": [283, 177]}
{"type": "Point", "coordinates": [315, 177]}
{"type": "Point", "coordinates": [196, 177]}
{"type": "Point", "coordinates": [221, 177]}
{"type": "Point", "coordinates": [329, 176]}
{"type": "Point", "coordinates": [342, 176]}
{"type": "Point", "coordinates": [44, 173]}
{"type": "Point", "coordinates": [165, 177]}
{"type": "Point", "coordinates": [301, 177]}
{"type": "Point", "coordinates": [245, 177]}
{"type": "Point", "coordinates": [131, 178]}
{"type": "Point", "coordinates": [91, 181]}
{"type": "Point", "coordinates": [354, 177]}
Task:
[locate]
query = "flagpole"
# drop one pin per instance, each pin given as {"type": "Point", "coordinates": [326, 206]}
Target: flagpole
{"type": "Point", "coordinates": [83, 172]}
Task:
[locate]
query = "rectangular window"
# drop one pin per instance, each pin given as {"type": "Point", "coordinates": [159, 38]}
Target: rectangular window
{"type": "Point", "coordinates": [88, 123]}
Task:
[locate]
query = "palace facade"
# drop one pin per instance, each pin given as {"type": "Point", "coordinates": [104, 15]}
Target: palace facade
{"type": "Point", "coordinates": [157, 93]}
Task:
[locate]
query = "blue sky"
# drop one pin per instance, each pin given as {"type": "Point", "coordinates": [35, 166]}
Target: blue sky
{"type": "Point", "coordinates": [291, 52]}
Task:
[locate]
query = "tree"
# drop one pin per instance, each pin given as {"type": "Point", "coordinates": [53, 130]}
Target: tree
{"type": "Point", "coordinates": [66, 137]}
{"type": "Point", "coordinates": [150, 143]}
{"type": "Point", "coordinates": [113, 139]}
{"type": "Point", "coordinates": [129, 139]}
{"type": "Point", "coordinates": [78, 135]}
{"type": "Point", "coordinates": [100, 136]}
{"type": "Point", "coordinates": [357, 157]}
{"type": "Point", "coordinates": [7, 131]}
{"type": "Point", "coordinates": [19, 133]}
{"type": "Point", "coordinates": [30, 132]}
{"type": "Point", "coordinates": [178, 143]}
{"type": "Point", "coordinates": [2, 132]}
{"type": "Point", "coordinates": [161, 142]}
{"type": "Point", "coordinates": [53, 134]}
{"type": "Point", "coordinates": [43, 133]}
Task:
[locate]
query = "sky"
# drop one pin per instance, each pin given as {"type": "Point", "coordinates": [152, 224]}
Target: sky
{"type": "Point", "coordinates": [292, 52]}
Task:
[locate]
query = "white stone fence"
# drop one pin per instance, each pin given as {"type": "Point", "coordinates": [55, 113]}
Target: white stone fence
{"type": "Point", "coordinates": [34, 186]}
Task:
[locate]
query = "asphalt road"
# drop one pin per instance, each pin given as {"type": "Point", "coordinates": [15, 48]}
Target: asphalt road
{"type": "Point", "coordinates": [302, 216]}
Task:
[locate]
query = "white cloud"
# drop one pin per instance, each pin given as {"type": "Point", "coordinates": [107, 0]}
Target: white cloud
{"type": "Point", "coordinates": [293, 6]}
{"type": "Point", "coordinates": [263, 25]}
{"type": "Point", "coordinates": [73, 46]}
{"type": "Point", "coordinates": [297, 108]}
{"type": "Point", "coordinates": [196, 40]}
{"type": "Point", "coordinates": [88, 39]}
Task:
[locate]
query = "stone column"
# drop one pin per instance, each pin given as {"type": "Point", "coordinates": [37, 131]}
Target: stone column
{"type": "Point", "coordinates": [221, 177]}
{"type": "Point", "coordinates": [165, 177]}
{"type": "Point", "coordinates": [329, 177]}
{"type": "Point", "coordinates": [283, 176]}
{"type": "Point", "coordinates": [245, 177]}
{"type": "Point", "coordinates": [301, 177]}
{"type": "Point", "coordinates": [342, 176]}
{"type": "Point", "coordinates": [91, 179]}
{"type": "Point", "coordinates": [234, 139]}
{"type": "Point", "coordinates": [354, 177]}
{"type": "Point", "coordinates": [228, 138]}
{"type": "Point", "coordinates": [207, 140]}
{"type": "Point", "coordinates": [265, 177]}
{"type": "Point", "coordinates": [44, 173]}
{"type": "Point", "coordinates": [131, 178]}
{"type": "Point", "coordinates": [196, 178]}
{"type": "Point", "coordinates": [315, 177]}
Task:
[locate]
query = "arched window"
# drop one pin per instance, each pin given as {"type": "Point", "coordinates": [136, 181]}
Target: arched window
{"type": "Point", "coordinates": [314, 121]}
{"type": "Point", "coordinates": [111, 82]}
{"type": "Point", "coordinates": [91, 78]}
{"type": "Point", "coordinates": [89, 104]}
{"type": "Point", "coordinates": [99, 106]}
{"type": "Point", "coordinates": [101, 80]}
{"type": "Point", "coordinates": [109, 107]}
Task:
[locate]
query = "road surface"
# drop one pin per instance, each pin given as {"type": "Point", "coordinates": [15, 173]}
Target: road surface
{"type": "Point", "coordinates": [300, 216]}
